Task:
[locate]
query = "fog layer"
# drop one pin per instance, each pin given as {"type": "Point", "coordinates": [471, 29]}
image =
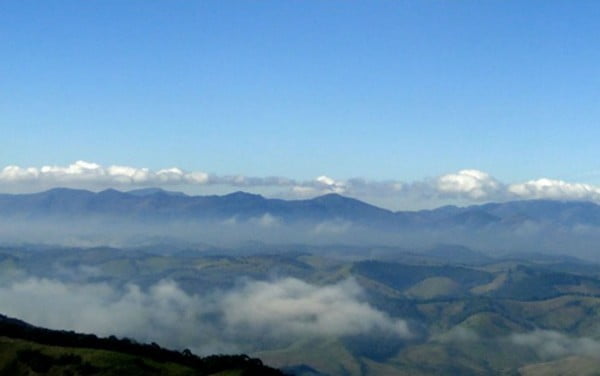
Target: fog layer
{"type": "Point", "coordinates": [240, 319]}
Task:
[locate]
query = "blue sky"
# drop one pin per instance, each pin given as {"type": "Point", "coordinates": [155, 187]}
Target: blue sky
{"type": "Point", "coordinates": [381, 90]}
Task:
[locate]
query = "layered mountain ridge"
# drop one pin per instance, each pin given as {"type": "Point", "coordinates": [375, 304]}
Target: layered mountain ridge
{"type": "Point", "coordinates": [155, 204]}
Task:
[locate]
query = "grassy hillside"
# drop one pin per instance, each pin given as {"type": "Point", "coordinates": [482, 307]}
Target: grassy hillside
{"type": "Point", "coordinates": [29, 350]}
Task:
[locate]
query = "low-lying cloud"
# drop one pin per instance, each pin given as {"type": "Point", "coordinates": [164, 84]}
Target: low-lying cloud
{"type": "Point", "coordinates": [551, 344]}
{"type": "Point", "coordinates": [545, 344]}
{"type": "Point", "coordinates": [468, 185]}
{"type": "Point", "coordinates": [226, 321]}
{"type": "Point", "coordinates": [293, 307]}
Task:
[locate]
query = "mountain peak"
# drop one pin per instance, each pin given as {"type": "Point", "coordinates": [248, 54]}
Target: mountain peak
{"type": "Point", "coordinates": [144, 192]}
{"type": "Point", "coordinates": [60, 190]}
{"type": "Point", "coordinates": [111, 192]}
{"type": "Point", "coordinates": [336, 198]}
{"type": "Point", "coordinates": [242, 194]}
{"type": "Point", "coordinates": [333, 197]}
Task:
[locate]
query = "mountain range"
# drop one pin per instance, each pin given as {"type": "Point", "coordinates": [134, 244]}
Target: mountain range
{"type": "Point", "coordinates": [154, 204]}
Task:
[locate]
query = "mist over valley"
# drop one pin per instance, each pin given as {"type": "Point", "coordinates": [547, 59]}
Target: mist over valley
{"type": "Point", "coordinates": [328, 286]}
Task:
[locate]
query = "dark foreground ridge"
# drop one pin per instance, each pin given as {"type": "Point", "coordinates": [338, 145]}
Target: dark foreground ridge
{"type": "Point", "coordinates": [25, 348]}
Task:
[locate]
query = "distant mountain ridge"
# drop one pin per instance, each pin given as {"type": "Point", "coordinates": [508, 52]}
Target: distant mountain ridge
{"type": "Point", "coordinates": [156, 204]}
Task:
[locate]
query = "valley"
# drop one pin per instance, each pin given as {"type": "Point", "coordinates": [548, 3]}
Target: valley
{"type": "Point", "coordinates": [420, 313]}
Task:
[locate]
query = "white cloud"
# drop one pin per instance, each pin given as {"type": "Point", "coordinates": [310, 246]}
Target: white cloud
{"type": "Point", "coordinates": [293, 307]}
{"type": "Point", "coordinates": [473, 184]}
{"type": "Point", "coordinates": [336, 227]}
{"type": "Point", "coordinates": [555, 189]}
{"type": "Point", "coordinates": [553, 344]}
{"type": "Point", "coordinates": [330, 185]}
{"type": "Point", "coordinates": [82, 172]}
{"type": "Point", "coordinates": [303, 191]}
{"type": "Point", "coordinates": [266, 220]}
{"type": "Point", "coordinates": [468, 185]}
{"type": "Point", "coordinates": [227, 321]}
{"type": "Point", "coordinates": [86, 174]}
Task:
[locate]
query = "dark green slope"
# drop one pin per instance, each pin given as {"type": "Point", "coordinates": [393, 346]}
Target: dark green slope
{"type": "Point", "coordinates": [30, 350]}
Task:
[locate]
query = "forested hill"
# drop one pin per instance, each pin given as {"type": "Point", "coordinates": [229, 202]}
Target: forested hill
{"type": "Point", "coordinates": [25, 348]}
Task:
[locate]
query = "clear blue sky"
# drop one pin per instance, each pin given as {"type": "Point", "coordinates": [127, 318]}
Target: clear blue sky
{"type": "Point", "coordinates": [375, 89]}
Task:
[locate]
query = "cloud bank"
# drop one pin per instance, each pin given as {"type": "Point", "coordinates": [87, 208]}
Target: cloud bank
{"type": "Point", "coordinates": [226, 321]}
{"type": "Point", "coordinates": [552, 344]}
{"type": "Point", "coordinates": [467, 185]}
{"type": "Point", "coordinates": [294, 307]}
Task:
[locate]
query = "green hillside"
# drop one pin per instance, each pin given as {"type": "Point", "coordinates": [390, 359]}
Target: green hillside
{"type": "Point", "coordinates": [29, 350]}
